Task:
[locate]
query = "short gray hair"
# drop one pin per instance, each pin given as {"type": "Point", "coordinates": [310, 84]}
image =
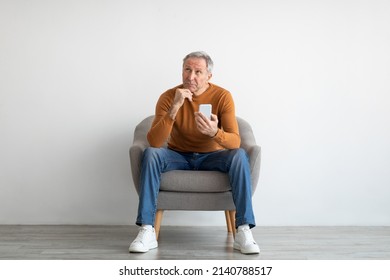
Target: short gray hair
{"type": "Point", "coordinates": [205, 56]}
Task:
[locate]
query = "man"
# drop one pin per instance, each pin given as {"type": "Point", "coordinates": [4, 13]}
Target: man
{"type": "Point", "coordinates": [195, 142]}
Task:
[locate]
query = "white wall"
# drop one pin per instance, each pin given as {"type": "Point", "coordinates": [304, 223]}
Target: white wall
{"type": "Point", "coordinates": [312, 76]}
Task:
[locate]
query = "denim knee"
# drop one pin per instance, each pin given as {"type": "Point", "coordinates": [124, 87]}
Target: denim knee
{"type": "Point", "coordinates": [241, 153]}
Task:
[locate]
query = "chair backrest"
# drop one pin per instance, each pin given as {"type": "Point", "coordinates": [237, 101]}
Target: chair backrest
{"type": "Point", "coordinates": [141, 130]}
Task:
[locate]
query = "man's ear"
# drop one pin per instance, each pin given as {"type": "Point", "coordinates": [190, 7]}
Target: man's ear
{"type": "Point", "coordinates": [209, 76]}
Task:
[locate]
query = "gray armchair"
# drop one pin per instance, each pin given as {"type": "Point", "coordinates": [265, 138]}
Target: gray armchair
{"type": "Point", "coordinates": [195, 190]}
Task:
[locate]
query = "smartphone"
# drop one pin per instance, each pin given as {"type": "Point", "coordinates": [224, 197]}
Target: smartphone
{"type": "Point", "coordinates": [205, 109]}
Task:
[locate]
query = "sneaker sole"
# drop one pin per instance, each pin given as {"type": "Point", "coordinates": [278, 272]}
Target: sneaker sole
{"type": "Point", "coordinates": [152, 246]}
{"type": "Point", "coordinates": [246, 252]}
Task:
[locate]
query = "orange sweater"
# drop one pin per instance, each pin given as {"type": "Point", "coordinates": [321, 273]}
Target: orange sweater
{"type": "Point", "coordinates": [182, 134]}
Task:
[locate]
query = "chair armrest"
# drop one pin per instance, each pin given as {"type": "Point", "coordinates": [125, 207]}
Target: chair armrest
{"type": "Point", "coordinates": [140, 143]}
{"type": "Point", "coordinates": [254, 153]}
{"type": "Point", "coordinates": [249, 144]}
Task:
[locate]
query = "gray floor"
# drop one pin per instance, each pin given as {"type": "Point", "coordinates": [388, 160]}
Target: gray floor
{"type": "Point", "coordinates": [111, 242]}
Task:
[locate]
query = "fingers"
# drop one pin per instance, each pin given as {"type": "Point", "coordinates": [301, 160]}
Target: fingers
{"type": "Point", "coordinates": [178, 101]}
{"type": "Point", "coordinates": [201, 119]}
{"type": "Point", "coordinates": [181, 94]}
{"type": "Point", "coordinates": [201, 123]}
{"type": "Point", "coordinates": [205, 125]}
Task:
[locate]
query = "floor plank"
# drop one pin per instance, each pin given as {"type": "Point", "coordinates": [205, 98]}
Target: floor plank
{"type": "Point", "coordinates": [111, 243]}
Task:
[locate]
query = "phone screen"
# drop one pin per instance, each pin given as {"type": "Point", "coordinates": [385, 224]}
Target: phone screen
{"type": "Point", "coordinates": [205, 109]}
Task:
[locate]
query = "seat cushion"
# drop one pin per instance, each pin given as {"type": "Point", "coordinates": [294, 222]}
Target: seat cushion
{"type": "Point", "coordinates": [194, 181]}
{"type": "Point", "coordinates": [199, 201]}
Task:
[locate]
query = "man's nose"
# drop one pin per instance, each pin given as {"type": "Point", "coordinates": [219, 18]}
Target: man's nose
{"type": "Point", "coordinates": [192, 75]}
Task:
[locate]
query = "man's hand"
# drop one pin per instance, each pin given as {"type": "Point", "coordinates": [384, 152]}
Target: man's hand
{"type": "Point", "coordinates": [181, 95]}
{"type": "Point", "coordinates": [205, 125]}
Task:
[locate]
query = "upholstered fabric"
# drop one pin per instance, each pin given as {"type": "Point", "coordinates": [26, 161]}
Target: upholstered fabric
{"type": "Point", "coordinates": [194, 190]}
{"type": "Point", "coordinates": [194, 181]}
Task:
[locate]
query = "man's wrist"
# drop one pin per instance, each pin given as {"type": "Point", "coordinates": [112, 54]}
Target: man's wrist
{"type": "Point", "coordinates": [173, 112]}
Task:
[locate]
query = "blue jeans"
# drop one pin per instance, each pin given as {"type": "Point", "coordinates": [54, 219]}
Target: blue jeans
{"type": "Point", "coordinates": [159, 160]}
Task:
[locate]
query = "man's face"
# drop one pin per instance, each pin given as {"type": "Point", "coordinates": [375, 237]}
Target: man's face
{"type": "Point", "coordinates": [196, 75]}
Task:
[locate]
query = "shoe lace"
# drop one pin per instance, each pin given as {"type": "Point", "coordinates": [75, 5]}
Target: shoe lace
{"type": "Point", "coordinates": [248, 237]}
{"type": "Point", "coordinates": [141, 235]}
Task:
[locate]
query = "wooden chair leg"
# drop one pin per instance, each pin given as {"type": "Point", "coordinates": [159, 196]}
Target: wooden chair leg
{"type": "Point", "coordinates": [228, 222]}
{"type": "Point", "coordinates": [157, 222]}
{"type": "Point", "coordinates": [232, 215]}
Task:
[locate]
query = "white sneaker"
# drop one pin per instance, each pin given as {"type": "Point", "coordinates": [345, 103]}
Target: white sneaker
{"type": "Point", "coordinates": [245, 243]}
{"type": "Point", "coordinates": [145, 240]}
